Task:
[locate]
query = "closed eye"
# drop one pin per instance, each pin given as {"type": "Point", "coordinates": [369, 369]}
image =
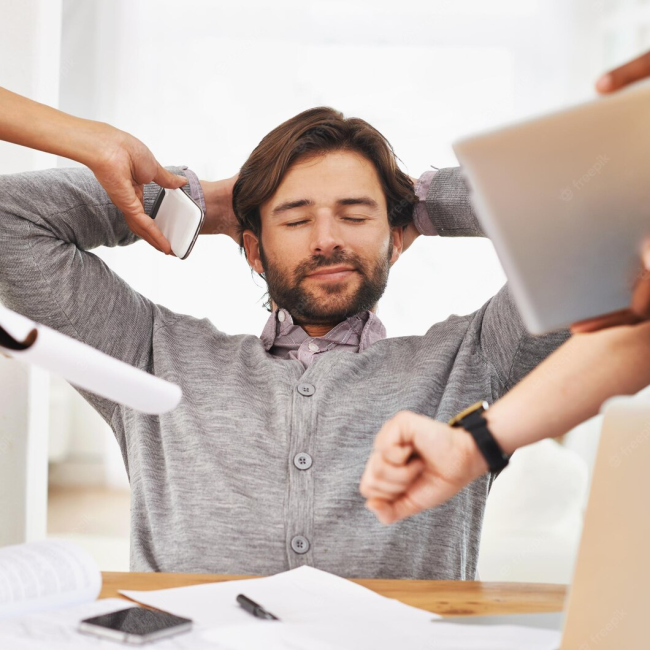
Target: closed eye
{"type": "Point", "coordinates": [293, 224]}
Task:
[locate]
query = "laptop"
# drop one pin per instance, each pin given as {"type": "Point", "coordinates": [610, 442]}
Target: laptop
{"type": "Point", "coordinates": [607, 607]}
{"type": "Point", "coordinates": [565, 199]}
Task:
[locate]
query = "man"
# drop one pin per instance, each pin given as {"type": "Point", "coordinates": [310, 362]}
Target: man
{"type": "Point", "coordinates": [257, 470]}
{"type": "Point", "coordinates": [569, 387]}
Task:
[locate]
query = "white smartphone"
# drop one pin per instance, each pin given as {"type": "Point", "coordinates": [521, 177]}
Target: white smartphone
{"type": "Point", "coordinates": [179, 218]}
{"type": "Point", "coordinates": [135, 625]}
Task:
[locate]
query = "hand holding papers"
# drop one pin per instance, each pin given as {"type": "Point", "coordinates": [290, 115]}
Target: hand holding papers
{"type": "Point", "coordinates": [84, 366]}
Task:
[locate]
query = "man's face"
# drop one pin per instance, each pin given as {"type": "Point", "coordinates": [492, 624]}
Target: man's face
{"type": "Point", "coordinates": [326, 244]}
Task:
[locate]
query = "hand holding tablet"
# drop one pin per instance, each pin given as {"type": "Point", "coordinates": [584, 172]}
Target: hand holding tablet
{"type": "Point", "coordinates": [565, 200]}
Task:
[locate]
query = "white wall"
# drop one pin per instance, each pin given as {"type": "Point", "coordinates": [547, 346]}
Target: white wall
{"type": "Point", "coordinates": [30, 46]}
{"type": "Point", "coordinates": [30, 34]}
{"type": "Point", "coordinates": [201, 83]}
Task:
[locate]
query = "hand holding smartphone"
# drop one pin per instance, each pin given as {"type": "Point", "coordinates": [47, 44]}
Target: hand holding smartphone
{"type": "Point", "coordinates": [179, 218]}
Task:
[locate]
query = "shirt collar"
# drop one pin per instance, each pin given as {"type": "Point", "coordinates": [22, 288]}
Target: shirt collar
{"type": "Point", "coordinates": [281, 330]}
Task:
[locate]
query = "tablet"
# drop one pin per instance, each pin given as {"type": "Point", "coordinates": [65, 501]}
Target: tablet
{"type": "Point", "coordinates": [565, 199]}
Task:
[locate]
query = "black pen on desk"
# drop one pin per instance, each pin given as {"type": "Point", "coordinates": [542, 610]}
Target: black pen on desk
{"type": "Point", "coordinates": [256, 610]}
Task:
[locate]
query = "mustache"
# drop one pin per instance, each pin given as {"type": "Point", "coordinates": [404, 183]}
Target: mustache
{"type": "Point", "coordinates": [318, 261]}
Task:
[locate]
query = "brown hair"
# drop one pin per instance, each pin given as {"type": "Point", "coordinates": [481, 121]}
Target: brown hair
{"type": "Point", "coordinates": [310, 133]}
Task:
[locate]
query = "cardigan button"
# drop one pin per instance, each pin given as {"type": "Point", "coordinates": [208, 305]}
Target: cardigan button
{"type": "Point", "coordinates": [306, 389]}
{"type": "Point", "coordinates": [300, 544]}
{"type": "Point", "coordinates": [302, 461]}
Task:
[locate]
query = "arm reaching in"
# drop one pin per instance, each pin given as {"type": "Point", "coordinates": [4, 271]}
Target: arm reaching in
{"type": "Point", "coordinates": [625, 75]}
{"type": "Point", "coordinates": [120, 162]}
{"type": "Point", "coordinates": [419, 463]}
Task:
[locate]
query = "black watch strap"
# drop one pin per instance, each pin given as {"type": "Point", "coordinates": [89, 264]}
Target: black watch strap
{"type": "Point", "coordinates": [475, 424]}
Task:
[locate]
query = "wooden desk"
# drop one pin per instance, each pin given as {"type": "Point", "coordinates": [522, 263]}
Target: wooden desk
{"type": "Point", "coordinates": [449, 598]}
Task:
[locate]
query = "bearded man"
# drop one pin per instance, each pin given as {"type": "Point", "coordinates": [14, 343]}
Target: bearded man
{"type": "Point", "coordinates": [257, 471]}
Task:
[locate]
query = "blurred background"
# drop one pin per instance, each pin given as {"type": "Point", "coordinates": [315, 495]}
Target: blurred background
{"type": "Point", "coordinates": [201, 82]}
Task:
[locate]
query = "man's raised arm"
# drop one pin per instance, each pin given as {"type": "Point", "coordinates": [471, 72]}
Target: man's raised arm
{"type": "Point", "coordinates": [49, 221]}
{"type": "Point", "coordinates": [444, 207]}
{"type": "Point", "coordinates": [445, 210]}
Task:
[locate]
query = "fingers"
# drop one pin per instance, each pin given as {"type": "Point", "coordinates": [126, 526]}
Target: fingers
{"type": "Point", "coordinates": [626, 74]}
{"type": "Point", "coordinates": [645, 255]}
{"type": "Point", "coordinates": [421, 496]}
{"type": "Point", "coordinates": [641, 296]}
{"type": "Point", "coordinates": [139, 193]}
{"type": "Point", "coordinates": [384, 480]}
{"type": "Point", "coordinates": [392, 465]}
{"type": "Point", "coordinates": [128, 199]}
{"type": "Point", "coordinates": [124, 167]}
{"type": "Point", "coordinates": [147, 230]}
{"type": "Point", "coordinates": [639, 308]}
{"type": "Point", "coordinates": [417, 463]}
{"type": "Point", "coordinates": [390, 512]}
{"type": "Point", "coordinates": [424, 493]}
{"type": "Point", "coordinates": [396, 455]}
{"type": "Point", "coordinates": [384, 510]}
{"type": "Point", "coordinates": [623, 317]}
{"type": "Point", "coordinates": [165, 178]}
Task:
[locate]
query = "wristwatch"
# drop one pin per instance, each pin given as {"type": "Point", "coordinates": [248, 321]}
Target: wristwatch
{"type": "Point", "coordinates": [472, 420]}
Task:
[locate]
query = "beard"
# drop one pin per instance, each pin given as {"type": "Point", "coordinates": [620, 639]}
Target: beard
{"type": "Point", "coordinates": [287, 290]}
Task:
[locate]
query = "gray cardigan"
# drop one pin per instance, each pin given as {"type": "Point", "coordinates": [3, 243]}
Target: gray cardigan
{"type": "Point", "coordinates": [214, 485]}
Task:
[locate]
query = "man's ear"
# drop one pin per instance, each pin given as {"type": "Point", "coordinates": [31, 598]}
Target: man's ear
{"type": "Point", "coordinates": [397, 233]}
{"type": "Point", "coordinates": [252, 248]}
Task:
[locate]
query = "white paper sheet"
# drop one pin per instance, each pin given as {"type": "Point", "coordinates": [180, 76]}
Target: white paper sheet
{"type": "Point", "coordinates": [86, 367]}
{"type": "Point", "coordinates": [301, 595]}
{"type": "Point", "coordinates": [319, 611]}
{"type": "Point", "coordinates": [383, 635]}
{"type": "Point", "coordinates": [45, 575]}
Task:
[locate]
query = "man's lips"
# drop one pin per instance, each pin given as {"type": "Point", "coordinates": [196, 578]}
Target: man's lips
{"type": "Point", "coordinates": [332, 273]}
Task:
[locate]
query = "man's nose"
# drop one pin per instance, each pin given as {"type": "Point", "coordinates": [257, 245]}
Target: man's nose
{"type": "Point", "coordinates": [326, 236]}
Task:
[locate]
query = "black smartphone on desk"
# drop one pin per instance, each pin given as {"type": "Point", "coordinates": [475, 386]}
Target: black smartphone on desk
{"type": "Point", "coordinates": [135, 625]}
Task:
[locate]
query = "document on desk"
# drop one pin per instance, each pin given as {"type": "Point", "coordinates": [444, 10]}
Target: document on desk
{"type": "Point", "coordinates": [84, 366]}
{"type": "Point", "coordinates": [320, 611]}
{"type": "Point", "coordinates": [45, 575]}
